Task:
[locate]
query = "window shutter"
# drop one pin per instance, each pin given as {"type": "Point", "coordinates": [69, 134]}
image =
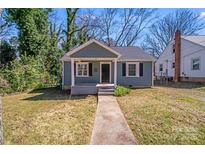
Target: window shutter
{"type": "Point", "coordinates": [75, 69]}
{"type": "Point", "coordinates": [123, 69]}
{"type": "Point", "coordinates": [90, 69]}
{"type": "Point", "coordinates": [141, 69]}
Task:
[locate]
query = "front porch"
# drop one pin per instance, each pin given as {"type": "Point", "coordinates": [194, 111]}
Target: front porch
{"type": "Point", "coordinates": [99, 71]}
{"type": "Point", "coordinates": [88, 75]}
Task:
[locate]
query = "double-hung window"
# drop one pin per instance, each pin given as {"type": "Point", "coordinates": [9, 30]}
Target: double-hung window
{"type": "Point", "coordinates": [195, 63]}
{"type": "Point", "coordinates": [132, 69]}
{"type": "Point", "coordinates": [160, 67]}
{"type": "Point", "coordinates": [173, 65]}
{"type": "Point", "coordinates": [173, 48]}
{"type": "Point", "coordinates": [82, 69]}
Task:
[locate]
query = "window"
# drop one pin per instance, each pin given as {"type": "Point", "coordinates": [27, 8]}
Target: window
{"type": "Point", "coordinates": [173, 65]}
{"type": "Point", "coordinates": [195, 64]}
{"type": "Point", "coordinates": [82, 70]}
{"type": "Point", "coordinates": [160, 67]}
{"type": "Point", "coordinates": [173, 49]}
{"type": "Point", "coordinates": [132, 69]}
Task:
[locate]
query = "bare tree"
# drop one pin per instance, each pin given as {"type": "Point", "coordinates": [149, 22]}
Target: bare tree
{"type": "Point", "coordinates": [162, 31]}
{"type": "Point", "coordinates": [107, 23]}
{"type": "Point", "coordinates": [115, 27]}
{"type": "Point", "coordinates": [88, 22]}
{"type": "Point", "coordinates": [122, 27]}
{"type": "Point", "coordinates": [134, 21]}
{"type": "Point", "coordinates": [81, 26]}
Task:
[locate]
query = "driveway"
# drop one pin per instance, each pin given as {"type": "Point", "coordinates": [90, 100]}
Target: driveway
{"type": "Point", "coordinates": [110, 126]}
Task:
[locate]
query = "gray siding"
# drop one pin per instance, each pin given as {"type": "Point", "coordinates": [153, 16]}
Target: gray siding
{"type": "Point", "coordinates": [67, 73]}
{"type": "Point", "coordinates": [84, 90]}
{"type": "Point", "coordinates": [93, 50]}
{"type": "Point", "coordinates": [95, 78]}
{"type": "Point", "coordinates": [144, 81]}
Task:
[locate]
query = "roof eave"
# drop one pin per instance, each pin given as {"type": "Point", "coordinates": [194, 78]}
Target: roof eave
{"type": "Point", "coordinates": [88, 43]}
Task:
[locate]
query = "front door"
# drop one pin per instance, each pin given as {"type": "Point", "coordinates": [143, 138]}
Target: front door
{"type": "Point", "coordinates": [105, 73]}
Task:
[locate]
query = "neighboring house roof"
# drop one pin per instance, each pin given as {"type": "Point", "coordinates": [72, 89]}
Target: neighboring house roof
{"type": "Point", "coordinates": [123, 53]}
{"type": "Point", "coordinates": [200, 39]}
{"type": "Point", "coordinates": [196, 39]}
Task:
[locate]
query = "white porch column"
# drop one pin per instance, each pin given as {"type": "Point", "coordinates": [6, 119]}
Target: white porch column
{"type": "Point", "coordinates": [72, 73]}
{"type": "Point", "coordinates": [153, 73]}
{"type": "Point", "coordinates": [115, 72]}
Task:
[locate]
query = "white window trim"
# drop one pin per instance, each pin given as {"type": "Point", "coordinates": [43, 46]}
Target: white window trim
{"type": "Point", "coordinates": [77, 75]}
{"type": "Point", "coordinates": [199, 63]}
{"type": "Point", "coordinates": [101, 71]}
{"type": "Point", "coordinates": [127, 69]}
{"type": "Point", "coordinates": [160, 67]}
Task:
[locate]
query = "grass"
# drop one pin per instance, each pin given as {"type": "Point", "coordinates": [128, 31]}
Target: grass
{"type": "Point", "coordinates": [48, 116]}
{"type": "Point", "coordinates": [188, 99]}
{"type": "Point", "coordinates": [166, 115]}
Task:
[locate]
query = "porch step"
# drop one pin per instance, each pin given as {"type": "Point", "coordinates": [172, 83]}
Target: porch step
{"type": "Point", "coordinates": [105, 86]}
{"type": "Point", "coordinates": [106, 90]}
{"type": "Point", "coordinates": [105, 93]}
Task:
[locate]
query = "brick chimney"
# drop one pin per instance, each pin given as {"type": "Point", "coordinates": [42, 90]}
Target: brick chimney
{"type": "Point", "coordinates": [177, 55]}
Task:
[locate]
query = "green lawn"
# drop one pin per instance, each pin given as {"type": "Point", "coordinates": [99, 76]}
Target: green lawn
{"type": "Point", "coordinates": [166, 115]}
{"type": "Point", "coordinates": [159, 115]}
{"type": "Point", "coordinates": [48, 116]}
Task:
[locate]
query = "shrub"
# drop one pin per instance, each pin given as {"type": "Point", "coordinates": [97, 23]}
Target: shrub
{"type": "Point", "coordinates": [29, 72]}
{"type": "Point", "coordinates": [4, 85]}
{"type": "Point", "coordinates": [121, 91]}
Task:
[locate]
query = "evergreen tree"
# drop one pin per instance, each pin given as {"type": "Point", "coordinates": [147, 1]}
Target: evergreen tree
{"type": "Point", "coordinates": [7, 53]}
{"type": "Point", "coordinates": [33, 29]}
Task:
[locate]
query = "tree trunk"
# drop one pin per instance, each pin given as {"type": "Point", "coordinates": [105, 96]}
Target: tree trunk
{"type": "Point", "coordinates": [71, 15]}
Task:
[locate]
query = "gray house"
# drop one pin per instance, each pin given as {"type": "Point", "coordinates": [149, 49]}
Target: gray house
{"type": "Point", "coordinates": [94, 67]}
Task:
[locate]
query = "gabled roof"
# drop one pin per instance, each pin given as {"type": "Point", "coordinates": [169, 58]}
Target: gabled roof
{"type": "Point", "coordinates": [200, 39]}
{"type": "Point", "coordinates": [131, 53]}
{"type": "Point", "coordinates": [90, 42]}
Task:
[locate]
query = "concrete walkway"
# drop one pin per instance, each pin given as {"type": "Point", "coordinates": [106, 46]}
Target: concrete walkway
{"type": "Point", "coordinates": [110, 126]}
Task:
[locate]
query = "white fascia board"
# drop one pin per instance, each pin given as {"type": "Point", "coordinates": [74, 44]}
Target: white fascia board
{"type": "Point", "coordinates": [88, 43]}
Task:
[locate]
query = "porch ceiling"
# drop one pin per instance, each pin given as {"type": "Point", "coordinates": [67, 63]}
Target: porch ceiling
{"type": "Point", "coordinates": [94, 59]}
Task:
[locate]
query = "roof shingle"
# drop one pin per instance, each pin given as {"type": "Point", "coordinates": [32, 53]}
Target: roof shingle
{"type": "Point", "coordinates": [200, 39]}
{"type": "Point", "coordinates": [133, 53]}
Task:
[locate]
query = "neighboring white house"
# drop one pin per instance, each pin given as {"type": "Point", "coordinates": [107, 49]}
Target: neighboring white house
{"type": "Point", "coordinates": [191, 59]}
